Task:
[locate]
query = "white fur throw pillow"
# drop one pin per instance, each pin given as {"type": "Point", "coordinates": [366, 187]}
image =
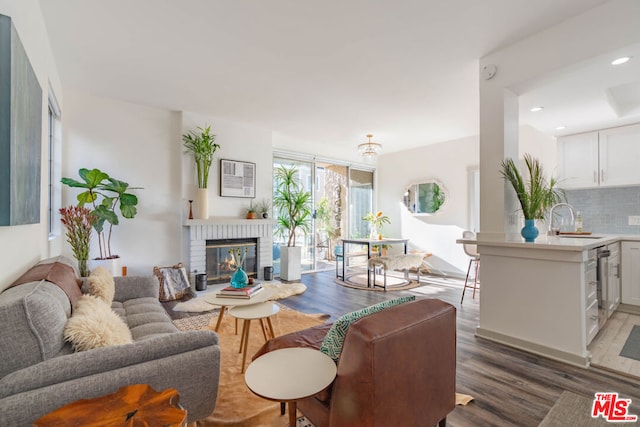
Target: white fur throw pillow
{"type": "Point", "coordinates": [101, 284]}
{"type": "Point", "coordinates": [93, 325]}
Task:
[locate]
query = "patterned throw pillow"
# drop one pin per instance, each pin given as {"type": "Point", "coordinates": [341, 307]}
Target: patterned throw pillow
{"type": "Point", "coordinates": [332, 343]}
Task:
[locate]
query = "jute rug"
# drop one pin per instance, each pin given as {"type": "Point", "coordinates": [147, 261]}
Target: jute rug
{"type": "Point", "coordinates": [394, 283]}
{"type": "Point", "coordinates": [278, 290]}
{"type": "Point", "coordinates": [574, 410]}
{"type": "Point", "coordinates": [236, 404]}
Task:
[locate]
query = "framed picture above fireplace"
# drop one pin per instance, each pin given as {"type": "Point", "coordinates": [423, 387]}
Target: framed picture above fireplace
{"type": "Point", "coordinates": [237, 179]}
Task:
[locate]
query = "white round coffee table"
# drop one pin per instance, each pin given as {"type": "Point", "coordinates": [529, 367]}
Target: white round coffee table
{"type": "Point", "coordinates": [261, 311]}
{"type": "Point", "coordinates": [261, 296]}
{"type": "Point", "coordinates": [290, 374]}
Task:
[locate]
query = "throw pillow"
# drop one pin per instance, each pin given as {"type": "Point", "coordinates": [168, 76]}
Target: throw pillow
{"type": "Point", "coordinates": [332, 343]}
{"type": "Point", "coordinates": [174, 283]}
{"type": "Point", "coordinates": [101, 284]}
{"type": "Point", "coordinates": [93, 324]}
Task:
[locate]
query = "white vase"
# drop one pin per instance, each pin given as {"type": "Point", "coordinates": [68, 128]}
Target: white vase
{"type": "Point", "coordinates": [202, 203]}
{"type": "Point", "coordinates": [111, 264]}
{"type": "Point", "coordinates": [290, 263]}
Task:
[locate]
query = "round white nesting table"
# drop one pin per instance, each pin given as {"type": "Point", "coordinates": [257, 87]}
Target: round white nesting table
{"type": "Point", "coordinates": [261, 296]}
{"type": "Point", "coordinates": [260, 311]}
{"type": "Point", "coordinates": [290, 374]}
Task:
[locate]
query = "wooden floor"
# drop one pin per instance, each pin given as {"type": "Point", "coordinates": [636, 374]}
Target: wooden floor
{"type": "Point", "coordinates": [510, 387]}
{"type": "Point", "coordinates": [606, 346]}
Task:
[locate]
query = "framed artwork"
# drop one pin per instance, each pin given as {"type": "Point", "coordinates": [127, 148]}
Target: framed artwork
{"type": "Point", "coordinates": [237, 179]}
{"type": "Point", "coordinates": [20, 131]}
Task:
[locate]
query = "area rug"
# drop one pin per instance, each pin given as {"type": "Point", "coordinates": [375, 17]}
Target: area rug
{"type": "Point", "coordinates": [278, 290]}
{"type": "Point", "coordinates": [574, 410]}
{"type": "Point", "coordinates": [236, 404]}
{"type": "Point", "coordinates": [359, 281]}
{"type": "Point", "coordinates": [631, 348]}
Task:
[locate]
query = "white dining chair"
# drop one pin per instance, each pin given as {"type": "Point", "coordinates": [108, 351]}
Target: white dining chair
{"type": "Point", "coordinates": [474, 257]}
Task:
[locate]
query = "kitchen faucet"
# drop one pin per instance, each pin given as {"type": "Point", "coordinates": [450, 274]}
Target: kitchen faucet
{"type": "Point", "coordinates": [550, 230]}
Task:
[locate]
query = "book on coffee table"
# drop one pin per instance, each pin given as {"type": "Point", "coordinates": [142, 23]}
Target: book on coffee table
{"type": "Point", "coordinates": [244, 292]}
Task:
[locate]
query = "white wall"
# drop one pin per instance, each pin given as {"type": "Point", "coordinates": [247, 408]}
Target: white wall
{"type": "Point", "coordinates": [21, 246]}
{"type": "Point", "coordinates": [139, 145]}
{"type": "Point", "coordinates": [448, 162]}
{"type": "Point", "coordinates": [237, 142]}
{"type": "Point", "coordinates": [143, 146]}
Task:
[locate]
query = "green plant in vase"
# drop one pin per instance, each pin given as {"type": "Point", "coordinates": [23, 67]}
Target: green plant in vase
{"type": "Point", "coordinates": [239, 278]}
{"type": "Point", "coordinates": [535, 193]}
{"type": "Point", "coordinates": [79, 223]}
{"type": "Point", "coordinates": [201, 143]}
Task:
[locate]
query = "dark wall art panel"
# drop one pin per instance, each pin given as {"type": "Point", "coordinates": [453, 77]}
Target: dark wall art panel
{"type": "Point", "coordinates": [20, 131]}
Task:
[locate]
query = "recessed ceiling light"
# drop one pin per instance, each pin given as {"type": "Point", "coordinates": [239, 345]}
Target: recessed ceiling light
{"type": "Point", "coordinates": [561, 128]}
{"type": "Point", "coordinates": [536, 109]}
{"type": "Point", "coordinates": [620, 60]}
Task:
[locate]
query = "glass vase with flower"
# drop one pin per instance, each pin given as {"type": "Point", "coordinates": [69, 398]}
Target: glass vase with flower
{"type": "Point", "coordinates": [376, 220]}
{"type": "Point", "coordinates": [79, 222]}
{"type": "Point", "coordinates": [239, 279]}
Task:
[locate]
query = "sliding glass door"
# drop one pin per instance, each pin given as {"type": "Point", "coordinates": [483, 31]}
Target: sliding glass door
{"type": "Point", "coordinates": [341, 195]}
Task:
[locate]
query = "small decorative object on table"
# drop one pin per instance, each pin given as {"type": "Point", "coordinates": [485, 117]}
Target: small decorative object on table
{"type": "Point", "coordinates": [376, 220]}
{"type": "Point", "coordinates": [190, 209]}
{"type": "Point", "coordinates": [239, 279]}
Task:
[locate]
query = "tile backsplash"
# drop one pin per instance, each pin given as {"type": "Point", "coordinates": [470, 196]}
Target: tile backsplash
{"type": "Point", "coordinates": [607, 210]}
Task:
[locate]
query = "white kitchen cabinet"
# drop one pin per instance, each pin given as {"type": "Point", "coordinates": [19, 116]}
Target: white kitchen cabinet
{"type": "Point", "coordinates": [613, 276]}
{"type": "Point", "coordinates": [578, 160]}
{"type": "Point", "coordinates": [630, 277]}
{"type": "Point", "coordinates": [600, 159]}
{"type": "Point", "coordinates": [619, 150]}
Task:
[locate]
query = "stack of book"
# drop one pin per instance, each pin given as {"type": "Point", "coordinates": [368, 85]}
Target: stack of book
{"type": "Point", "coordinates": [245, 292]}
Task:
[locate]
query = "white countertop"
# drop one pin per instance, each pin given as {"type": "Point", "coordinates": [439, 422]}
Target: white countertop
{"type": "Point", "coordinates": [561, 243]}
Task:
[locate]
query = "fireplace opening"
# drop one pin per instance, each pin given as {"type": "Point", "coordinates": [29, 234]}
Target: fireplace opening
{"type": "Point", "coordinates": [220, 261]}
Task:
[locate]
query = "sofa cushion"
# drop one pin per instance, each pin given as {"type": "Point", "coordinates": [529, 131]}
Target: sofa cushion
{"type": "Point", "coordinates": [101, 284]}
{"type": "Point", "coordinates": [93, 325]}
{"type": "Point", "coordinates": [32, 320]}
{"type": "Point", "coordinates": [332, 343]}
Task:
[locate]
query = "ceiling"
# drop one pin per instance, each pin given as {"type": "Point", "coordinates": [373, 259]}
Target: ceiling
{"type": "Point", "coordinates": [315, 73]}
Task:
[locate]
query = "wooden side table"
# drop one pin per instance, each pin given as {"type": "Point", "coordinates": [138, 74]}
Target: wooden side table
{"type": "Point", "coordinates": [131, 406]}
{"type": "Point", "coordinates": [248, 313]}
{"type": "Point", "coordinates": [290, 374]}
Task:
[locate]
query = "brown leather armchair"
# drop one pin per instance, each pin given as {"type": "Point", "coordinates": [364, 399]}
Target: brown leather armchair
{"type": "Point", "coordinates": [397, 368]}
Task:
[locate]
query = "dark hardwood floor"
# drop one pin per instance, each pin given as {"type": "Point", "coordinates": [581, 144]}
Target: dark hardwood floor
{"type": "Point", "coordinates": [510, 387]}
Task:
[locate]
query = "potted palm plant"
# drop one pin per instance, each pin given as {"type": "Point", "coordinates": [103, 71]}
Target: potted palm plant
{"type": "Point", "coordinates": [535, 193]}
{"type": "Point", "coordinates": [201, 144]}
{"type": "Point", "coordinates": [293, 211]}
{"type": "Point", "coordinates": [107, 196]}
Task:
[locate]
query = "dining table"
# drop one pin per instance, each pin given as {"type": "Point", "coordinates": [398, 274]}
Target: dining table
{"type": "Point", "coordinates": [369, 243]}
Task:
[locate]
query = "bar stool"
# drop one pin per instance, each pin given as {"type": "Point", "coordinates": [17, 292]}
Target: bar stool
{"type": "Point", "coordinates": [472, 252]}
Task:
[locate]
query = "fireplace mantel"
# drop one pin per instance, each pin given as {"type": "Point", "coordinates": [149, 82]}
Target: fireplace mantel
{"type": "Point", "coordinates": [228, 221]}
{"type": "Point", "coordinates": [201, 230]}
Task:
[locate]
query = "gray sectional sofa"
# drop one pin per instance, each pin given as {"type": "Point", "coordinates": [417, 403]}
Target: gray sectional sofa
{"type": "Point", "coordinates": [39, 372]}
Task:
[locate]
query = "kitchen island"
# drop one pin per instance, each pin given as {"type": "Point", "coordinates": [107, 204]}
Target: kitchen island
{"type": "Point", "coordinates": [541, 297]}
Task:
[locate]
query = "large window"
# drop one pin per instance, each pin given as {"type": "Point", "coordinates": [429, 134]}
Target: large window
{"type": "Point", "coordinates": [54, 169]}
{"type": "Point", "coordinates": [360, 201]}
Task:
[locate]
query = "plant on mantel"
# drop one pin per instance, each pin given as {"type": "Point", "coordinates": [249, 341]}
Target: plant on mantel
{"type": "Point", "coordinates": [107, 196]}
{"type": "Point", "coordinates": [202, 145]}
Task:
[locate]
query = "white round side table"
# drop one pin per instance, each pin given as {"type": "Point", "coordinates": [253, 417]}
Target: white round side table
{"type": "Point", "coordinates": [260, 311]}
{"type": "Point", "coordinates": [290, 374]}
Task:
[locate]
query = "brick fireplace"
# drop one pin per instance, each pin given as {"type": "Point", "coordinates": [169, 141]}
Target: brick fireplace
{"type": "Point", "coordinates": [200, 231]}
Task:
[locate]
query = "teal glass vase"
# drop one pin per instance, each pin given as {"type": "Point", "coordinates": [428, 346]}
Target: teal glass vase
{"type": "Point", "coordinates": [529, 231]}
{"type": "Point", "coordinates": [239, 279]}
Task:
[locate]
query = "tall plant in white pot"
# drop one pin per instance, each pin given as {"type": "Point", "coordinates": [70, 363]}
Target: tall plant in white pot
{"type": "Point", "coordinates": [292, 205]}
{"type": "Point", "coordinates": [201, 144]}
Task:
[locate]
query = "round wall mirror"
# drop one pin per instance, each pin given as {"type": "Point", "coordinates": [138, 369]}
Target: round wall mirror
{"type": "Point", "coordinates": [425, 197]}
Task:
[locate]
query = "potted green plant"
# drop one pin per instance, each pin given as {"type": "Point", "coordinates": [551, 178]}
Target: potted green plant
{"type": "Point", "coordinates": [251, 211]}
{"type": "Point", "coordinates": [535, 193]}
{"type": "Point", "coordinates": [107, 196]}
{"type": "Point", "coordinates": [201, 144]}
{"type": "Point", "coordinates": [263, 208]}
{"type": "Point", "coordinates": [293, 211]}
{"type": "Point", "coordinates": [79, 223]}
